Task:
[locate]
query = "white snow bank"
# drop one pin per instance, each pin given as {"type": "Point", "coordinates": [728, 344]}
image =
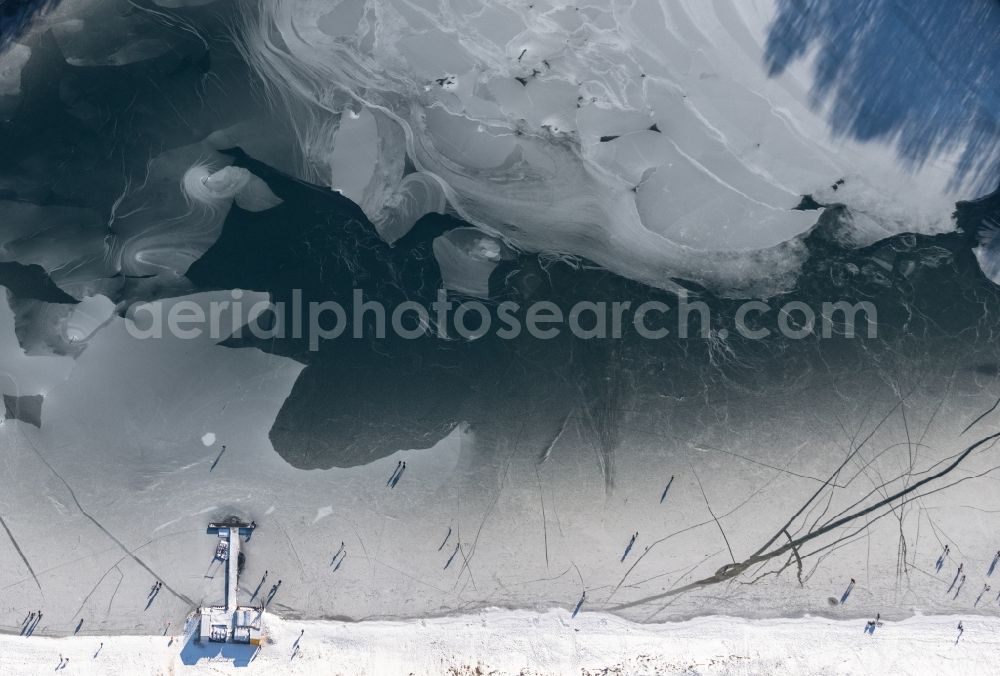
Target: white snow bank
{"type": "Point", "coordinates": [521, 642]}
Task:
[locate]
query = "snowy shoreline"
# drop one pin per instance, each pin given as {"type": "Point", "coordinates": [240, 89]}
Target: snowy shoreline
{"type": "Point", "coordinates": [523, 642]}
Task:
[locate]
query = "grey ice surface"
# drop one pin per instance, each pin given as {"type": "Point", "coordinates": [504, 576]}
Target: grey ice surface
{"type": "Point", "coordinates": [114, 492]}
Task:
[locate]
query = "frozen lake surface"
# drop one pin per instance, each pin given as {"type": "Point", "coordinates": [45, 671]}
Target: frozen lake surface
{"type": "Point", "coordinates": [194, 153]}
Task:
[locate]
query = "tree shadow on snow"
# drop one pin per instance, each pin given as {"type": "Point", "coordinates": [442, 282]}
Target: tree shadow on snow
{"type": "Point", "coordinates": [923, 75]}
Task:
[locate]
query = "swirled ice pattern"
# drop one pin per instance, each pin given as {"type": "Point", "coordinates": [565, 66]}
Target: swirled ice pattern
{"type": "Point", "coordinates": [662, 140]}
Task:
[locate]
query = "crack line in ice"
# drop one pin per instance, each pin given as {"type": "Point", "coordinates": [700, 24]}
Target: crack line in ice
{"type": "Point", "coordinates": [20, 553]}
{"type": "Point", "coordinates": [97, 523]}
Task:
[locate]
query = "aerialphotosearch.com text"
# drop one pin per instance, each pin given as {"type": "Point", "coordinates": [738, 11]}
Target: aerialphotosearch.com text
{"type": "Point", "coordinates": [472, 319]}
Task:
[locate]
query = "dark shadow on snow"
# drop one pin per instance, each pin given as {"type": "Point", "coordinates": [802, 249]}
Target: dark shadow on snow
{"type": "Point", "coordinates": [924, 74]}
{"type": "Point", "coordinates": [194, 651]}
